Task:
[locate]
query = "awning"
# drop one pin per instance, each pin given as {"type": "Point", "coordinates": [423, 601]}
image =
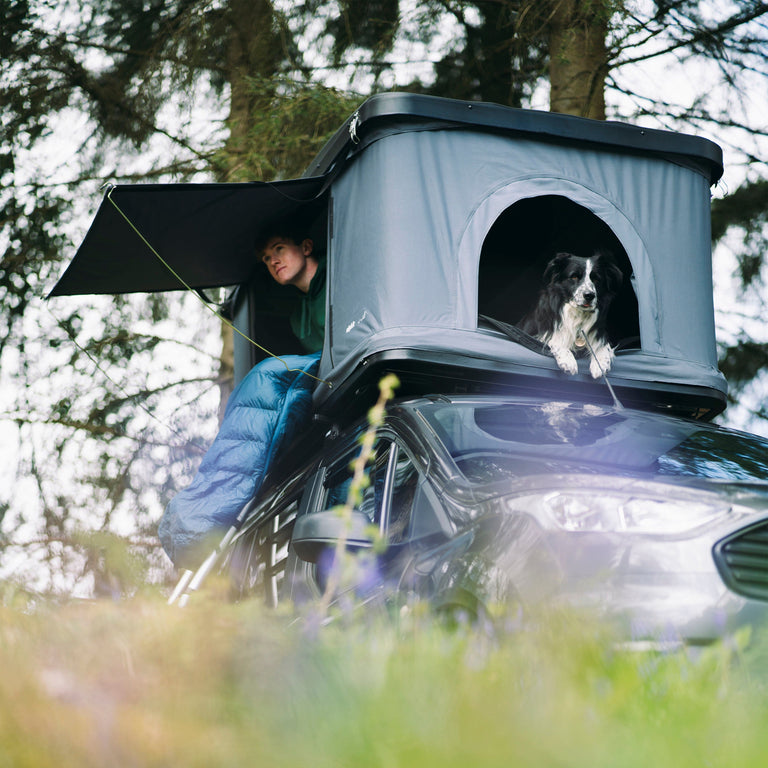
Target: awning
{"type": "Point", "coordinates": [204, 232]}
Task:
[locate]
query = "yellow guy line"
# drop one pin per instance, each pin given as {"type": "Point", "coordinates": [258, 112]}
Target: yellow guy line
{"type": "Point", "coordinates": [205, 303]}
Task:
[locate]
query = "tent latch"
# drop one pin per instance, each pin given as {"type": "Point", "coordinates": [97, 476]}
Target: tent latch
{"type": "Point", "coordinates": [353, 123]}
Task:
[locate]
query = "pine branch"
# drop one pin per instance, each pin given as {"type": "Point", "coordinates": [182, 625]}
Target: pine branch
{"type": "Point", "coordinates": [698, 36]}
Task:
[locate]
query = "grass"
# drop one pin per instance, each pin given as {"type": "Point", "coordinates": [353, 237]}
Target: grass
{"type": "Point", "coordinates": [137, 683]}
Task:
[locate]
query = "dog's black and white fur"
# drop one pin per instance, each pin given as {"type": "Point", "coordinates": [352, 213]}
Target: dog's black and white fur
{"type": "Point", "coordinates": [574, 301]}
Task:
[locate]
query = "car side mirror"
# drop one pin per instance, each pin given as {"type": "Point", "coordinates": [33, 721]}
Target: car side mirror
{"type": "Point", "coordinates": [315, 531]}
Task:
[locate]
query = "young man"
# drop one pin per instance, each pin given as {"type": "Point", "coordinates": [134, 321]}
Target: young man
{"type": "Point", "coordinates": [268, 408]}
{"type": "Point", "coordinates": [290, 260]}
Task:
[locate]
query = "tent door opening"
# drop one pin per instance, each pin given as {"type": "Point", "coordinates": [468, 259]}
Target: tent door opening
{"type": "Point", "coordinates": [521, 242]}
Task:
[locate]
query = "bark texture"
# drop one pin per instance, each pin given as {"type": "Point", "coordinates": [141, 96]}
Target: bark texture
{"type": "Point", "coordinates": [578, 57]}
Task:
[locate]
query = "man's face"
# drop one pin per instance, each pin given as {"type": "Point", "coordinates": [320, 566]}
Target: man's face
{"type": "Point", "coordinates": [286, 261]}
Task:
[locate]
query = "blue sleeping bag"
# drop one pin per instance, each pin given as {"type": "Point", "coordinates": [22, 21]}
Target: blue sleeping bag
{"type": "Point", "coordinates": [267, 409]}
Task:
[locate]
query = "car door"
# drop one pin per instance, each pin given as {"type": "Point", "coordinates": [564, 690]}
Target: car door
{"type": "Point", "coordinates": [397, 509]}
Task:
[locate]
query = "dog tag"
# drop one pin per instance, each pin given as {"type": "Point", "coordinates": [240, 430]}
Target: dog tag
{"type": "Point", "coordinates": [580, 341]}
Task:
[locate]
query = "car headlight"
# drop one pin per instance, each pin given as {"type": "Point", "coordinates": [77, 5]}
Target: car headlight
{"type": "Point", "coordinates": [597, 511]}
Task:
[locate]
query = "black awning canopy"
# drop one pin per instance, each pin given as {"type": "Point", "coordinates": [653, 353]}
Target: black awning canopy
{"type": "Point", "coordinates": [204, 232]}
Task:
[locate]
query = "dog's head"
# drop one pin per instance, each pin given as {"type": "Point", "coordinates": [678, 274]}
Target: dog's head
{"type": "Point", "coordinates": [584, 282]}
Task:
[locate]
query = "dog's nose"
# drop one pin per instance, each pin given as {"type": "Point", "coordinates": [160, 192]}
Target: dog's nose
{"type": "Point", "coordinates": [589, 298]}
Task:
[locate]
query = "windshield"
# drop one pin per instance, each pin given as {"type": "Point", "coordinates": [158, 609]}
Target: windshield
{"type": "Point", "coordinates": [494, 441]}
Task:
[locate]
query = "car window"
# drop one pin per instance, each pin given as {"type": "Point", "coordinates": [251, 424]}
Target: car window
{"type": "Point", "coordinates": [388, 498]}
{"type": "Point", "coordinates": [339, 481]}
{"type": "Point", "coordinates": [405, 481]}
{"type": "Point", "coordinates": [718, 455]}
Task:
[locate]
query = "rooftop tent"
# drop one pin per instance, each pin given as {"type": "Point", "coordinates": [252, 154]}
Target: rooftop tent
{"type": "Point", "coordinates": [444, 211]}
{"type": "Point", "coordinates": [435, 214]}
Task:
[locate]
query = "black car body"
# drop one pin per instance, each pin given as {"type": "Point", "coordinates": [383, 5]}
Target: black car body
{"type": "Point", "coordinates": [489, 502]}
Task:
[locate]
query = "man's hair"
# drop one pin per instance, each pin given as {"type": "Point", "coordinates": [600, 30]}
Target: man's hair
{"type": "Point", "coordinates": [293, 228]}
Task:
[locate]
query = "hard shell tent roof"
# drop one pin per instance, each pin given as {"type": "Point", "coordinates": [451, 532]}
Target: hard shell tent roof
{"type": "Point", "coordinates": [438, 212]}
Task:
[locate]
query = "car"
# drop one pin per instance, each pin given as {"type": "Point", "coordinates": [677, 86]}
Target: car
{"type": "Point", "coordinates": [485, 502]}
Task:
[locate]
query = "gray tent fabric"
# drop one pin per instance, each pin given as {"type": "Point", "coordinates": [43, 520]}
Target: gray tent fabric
{"type": "Point", "coordinates": [410, 217]}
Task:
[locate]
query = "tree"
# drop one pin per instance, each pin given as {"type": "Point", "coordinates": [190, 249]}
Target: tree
{"type": "Point", "coordinates": [739, 231]}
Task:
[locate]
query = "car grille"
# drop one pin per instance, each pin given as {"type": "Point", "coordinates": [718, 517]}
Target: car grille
{"type": "Point", "coordinates": [742, 559]}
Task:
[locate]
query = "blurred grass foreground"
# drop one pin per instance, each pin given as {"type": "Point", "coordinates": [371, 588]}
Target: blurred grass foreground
{"type": "Point", "coordinates": [138, 683]}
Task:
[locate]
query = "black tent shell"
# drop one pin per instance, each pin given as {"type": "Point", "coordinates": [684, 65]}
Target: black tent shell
{"type": "Point", "coordinates": [396, 112]}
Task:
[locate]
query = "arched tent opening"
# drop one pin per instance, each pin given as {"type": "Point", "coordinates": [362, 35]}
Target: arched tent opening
{"type": "Point", "coordinates": [524, 238]}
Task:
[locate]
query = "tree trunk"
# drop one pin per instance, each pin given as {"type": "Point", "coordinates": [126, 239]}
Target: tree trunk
{"type": "Point", "coordinates": [578, 58]}
{"type": "Point", "coordinates": [254, 50]}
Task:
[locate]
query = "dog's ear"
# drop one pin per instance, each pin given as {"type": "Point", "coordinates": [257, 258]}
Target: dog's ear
{"type": "Point", "coordinates": [554, 270]}
{"type": "Point", "coordinates": [613, 275]}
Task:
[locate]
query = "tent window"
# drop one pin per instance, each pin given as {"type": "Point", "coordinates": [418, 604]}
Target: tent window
{"type": "Point", "coordinates": [521, 242]}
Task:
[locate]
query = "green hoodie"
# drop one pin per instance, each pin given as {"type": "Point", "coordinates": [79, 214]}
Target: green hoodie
{"type": "Point", "coordinates": [308, 319]}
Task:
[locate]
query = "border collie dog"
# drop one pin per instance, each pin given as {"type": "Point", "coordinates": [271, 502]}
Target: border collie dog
{"type": "Point", "coordinates": [573, 308]}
